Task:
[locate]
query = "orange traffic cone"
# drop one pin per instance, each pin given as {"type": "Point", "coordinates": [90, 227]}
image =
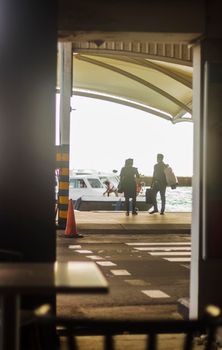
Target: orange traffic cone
{"type": "Point", "coordinates": [71, 229]}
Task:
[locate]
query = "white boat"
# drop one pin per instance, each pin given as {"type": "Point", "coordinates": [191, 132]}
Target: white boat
{"type": "Point", "coordinates": [87, 189]}
{"type": "Point", "coordinates": [85, 185]}
{"type": "Point", "coordinates": [111, 177]}
{"type": "Point", "coordinates": [103, 176]}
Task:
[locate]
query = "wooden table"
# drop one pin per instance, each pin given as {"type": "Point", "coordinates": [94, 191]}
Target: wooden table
{"type": "Point", "coordinates": [18, 279]}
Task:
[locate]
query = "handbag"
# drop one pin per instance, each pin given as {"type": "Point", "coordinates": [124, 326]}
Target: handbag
{"type": "Point", "coordinates": [149, 195]}
{"type": "Point", "coordinates": [120, 188]}
{"type": "Point", "coordinates": [171, 178]}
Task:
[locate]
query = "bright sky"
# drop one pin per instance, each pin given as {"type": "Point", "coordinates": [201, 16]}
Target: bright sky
{"type": "Point", "coordinates": [104, 134]}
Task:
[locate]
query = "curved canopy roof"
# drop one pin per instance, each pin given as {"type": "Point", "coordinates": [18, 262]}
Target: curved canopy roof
{"type": "Point", "coordinates": [161, 84]}
{"type": "Point", "coordinates": [159, 87]}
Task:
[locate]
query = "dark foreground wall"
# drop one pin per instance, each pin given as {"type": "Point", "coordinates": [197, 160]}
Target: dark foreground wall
{"type": "Point", "coordinates": [28, 43]}
{"type": "Point", "coordinates": [184, 16]}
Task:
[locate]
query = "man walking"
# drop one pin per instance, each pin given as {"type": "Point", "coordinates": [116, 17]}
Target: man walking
{"type": "Point", "coordinates": [159, 184]}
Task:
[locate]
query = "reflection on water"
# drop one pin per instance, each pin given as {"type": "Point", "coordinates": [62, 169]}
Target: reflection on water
{"type": "Point", "coordinates": [178, 200]}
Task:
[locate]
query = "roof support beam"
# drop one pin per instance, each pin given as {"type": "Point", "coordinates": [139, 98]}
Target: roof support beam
{"type": "Point", "coordinates": [170, 74]}
{"type": "Point", "coordinates": [146, 63]}
{"type": "Point", "coordinates": [135, 78]}
{"type": "Point", "coordinates": [91, 94]}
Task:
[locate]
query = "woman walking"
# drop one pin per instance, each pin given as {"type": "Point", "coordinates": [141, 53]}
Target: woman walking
{"type": "Point", "coordinates": [128, 177]}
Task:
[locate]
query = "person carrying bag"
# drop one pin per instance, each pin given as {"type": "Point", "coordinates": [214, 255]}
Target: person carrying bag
{"type": "Point", "coordinates": [128, 177]}
{"type": "Point", "coordinates": [159, 184]}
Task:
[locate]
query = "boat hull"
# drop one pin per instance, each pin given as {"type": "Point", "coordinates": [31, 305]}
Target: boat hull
{"type": "Point", "coordinates": [107, 204]}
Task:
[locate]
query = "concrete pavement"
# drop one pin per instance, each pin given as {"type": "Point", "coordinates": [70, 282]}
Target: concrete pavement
{"type": "Point", "coordinates": [114, 222]}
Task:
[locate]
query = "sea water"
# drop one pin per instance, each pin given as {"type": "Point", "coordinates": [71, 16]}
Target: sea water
{"type": "Point", "coordinates": [178, 200]}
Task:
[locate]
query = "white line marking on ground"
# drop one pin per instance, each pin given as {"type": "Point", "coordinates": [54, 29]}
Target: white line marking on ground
{"type": "Point", "coordinates": [137, 282]}
{"type": "Point", "coordinates": [105, 263]}
{"type": "Point", "coordinates": [120, 272]}
{"type": "Point", "coordinates": [158, 243]}
{"type": "Point", "coordinates": [74, 246]}
{"type": "Point", "coordinates": [95, 257]}
{"type": "Point", "coordinates": [155, 294]}
{"type": "Point", "coordinates": [169, 253]}
{"type": "Point", "coordinates": [83, 251]}
{"type": "Point", "coordinates": [168, 249]}
{"type": "Point", "coordinates": [178, 259]}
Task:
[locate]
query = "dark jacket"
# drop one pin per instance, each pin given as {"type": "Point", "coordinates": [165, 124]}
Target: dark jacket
{"type": "Point", "coordinates": [159, 177]}
{"type": "Point", "coordinates": [128, 176]}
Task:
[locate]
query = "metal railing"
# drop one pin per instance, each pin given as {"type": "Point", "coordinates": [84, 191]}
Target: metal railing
{"type": "Point", "coordinates": [192, 329]}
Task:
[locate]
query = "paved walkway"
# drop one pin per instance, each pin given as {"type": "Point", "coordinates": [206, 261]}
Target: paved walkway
{"type": "Point", "coordinates": [107, 221]}
{"type": "Point", "coordinates": [116, 222]}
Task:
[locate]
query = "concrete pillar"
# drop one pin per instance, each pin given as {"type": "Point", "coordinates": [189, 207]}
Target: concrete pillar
{"type": "Point", "coordinates": [28, 44]}
{"type": "Point", "coordinates": [206, 266]}
{"type": "Point", "coordinates": [65, 69]}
